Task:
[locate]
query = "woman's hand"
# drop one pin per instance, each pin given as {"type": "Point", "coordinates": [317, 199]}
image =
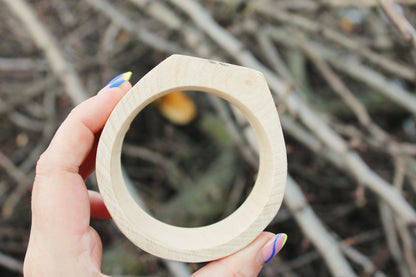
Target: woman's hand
{"type": "Point", "coordinates": [62, 242]}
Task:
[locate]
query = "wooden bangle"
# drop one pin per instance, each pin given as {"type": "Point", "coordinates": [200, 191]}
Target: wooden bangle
{"type": "Point", "coordinates": [246, 89]}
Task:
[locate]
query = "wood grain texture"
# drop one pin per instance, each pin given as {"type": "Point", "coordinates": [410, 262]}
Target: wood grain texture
{"type": "Point", "coordinates": [246, 89]}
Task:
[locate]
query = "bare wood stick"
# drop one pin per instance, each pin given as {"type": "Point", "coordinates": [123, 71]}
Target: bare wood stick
{"type": "Point", "coordinates": [387, 219]}
{"type": "Point", "coordinates": [315, 231]}
{"type": "Point", "coordinates": [13, 171]}
{"type": "Point", "coordinates": [356, 256]}
{"type": "Point", "coordinates": [23, 181]}
{"type": "Point", "coordinates": [11, 263]}
{"type": "Point", "coordinates": [296, 105]}
{"type": "Point", "coordinates": [399, 172]}
{"type": "Point", "coordinates": [63, 69]}
{"type": "Point", "coordinates": [408, 244]}
{"type": "Point", "coordinates": [407, 31]}
{"type": "Point", "coordinates": [22, 64]}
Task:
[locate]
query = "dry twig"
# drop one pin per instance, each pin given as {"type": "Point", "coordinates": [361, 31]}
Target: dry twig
{"type": "Point", "coordinates": [407, 31]}
{"type": "Point", "coordinates": [11, 263]}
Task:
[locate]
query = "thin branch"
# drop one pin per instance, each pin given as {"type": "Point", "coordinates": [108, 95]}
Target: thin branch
{"type": "Point", "coordinates": [22, 64]}
{"type": "Point", "coordinates": [407, 243]}
{"type": "Point", "coordinates": [11, 263]}
{"type": "Point", "coordinates": [407, 31]}
{"type": "Point", "coordinates": [387, 219]}
{"type": "Point", "coordinates": [23, 181]}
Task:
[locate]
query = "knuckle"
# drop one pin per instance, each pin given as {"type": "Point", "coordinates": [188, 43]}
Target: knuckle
{"type": "Point", "coordinates": [232, 271]}
{"type": "Point", "coordinates": [42, 166]}
{"type": "Point", "coordinates": [237, 273]}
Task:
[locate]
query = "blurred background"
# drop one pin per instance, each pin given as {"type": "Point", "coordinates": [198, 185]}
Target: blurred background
{"type": "Point", "coordinates": [342, 73]}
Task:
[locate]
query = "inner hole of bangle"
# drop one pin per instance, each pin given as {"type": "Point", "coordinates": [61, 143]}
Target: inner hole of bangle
{"type": "Point", "coordinates": [190, 158]}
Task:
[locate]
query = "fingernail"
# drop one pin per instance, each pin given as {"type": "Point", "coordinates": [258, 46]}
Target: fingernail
{"type": "Point", "coordinates": [119, 80]}
{"type": "Point", "coordinates": [273, 246]}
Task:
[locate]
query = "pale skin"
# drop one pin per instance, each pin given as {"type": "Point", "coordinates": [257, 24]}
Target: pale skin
{"type": "Point", "coordinates": [62, 242]}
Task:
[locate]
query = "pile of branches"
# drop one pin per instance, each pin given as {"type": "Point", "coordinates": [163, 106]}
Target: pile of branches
{"type": "Point", "coordinates": [343, 77]}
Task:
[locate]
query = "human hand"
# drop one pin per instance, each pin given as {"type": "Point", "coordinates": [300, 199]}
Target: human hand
{"type": "Point", "coordinates": [62, 242]}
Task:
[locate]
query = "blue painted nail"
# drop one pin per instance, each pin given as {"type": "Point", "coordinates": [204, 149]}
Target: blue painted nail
{"type": "Point", "coordinates": [117, 84]}
{"type": "Point", "coordinates": [119, 80]}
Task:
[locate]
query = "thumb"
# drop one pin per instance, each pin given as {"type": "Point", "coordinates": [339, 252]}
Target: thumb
{"type": "Point", "coordinates": [247, 262]}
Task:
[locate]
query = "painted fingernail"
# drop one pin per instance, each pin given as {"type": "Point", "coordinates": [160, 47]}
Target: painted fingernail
{"type": "Point", "coordinates": [119, 80]}
{"type": "Point", "coordinates": [273, 246]}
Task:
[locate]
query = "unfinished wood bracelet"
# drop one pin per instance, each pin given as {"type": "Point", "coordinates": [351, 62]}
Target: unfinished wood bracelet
{"type": "Point", "coordinates": [246, 89]}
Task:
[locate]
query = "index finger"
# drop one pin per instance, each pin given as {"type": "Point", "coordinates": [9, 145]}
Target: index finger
{"type": "Point", "coordinates": [75, 137]}
{"type": "Point", "coordinates": [60, 198]}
